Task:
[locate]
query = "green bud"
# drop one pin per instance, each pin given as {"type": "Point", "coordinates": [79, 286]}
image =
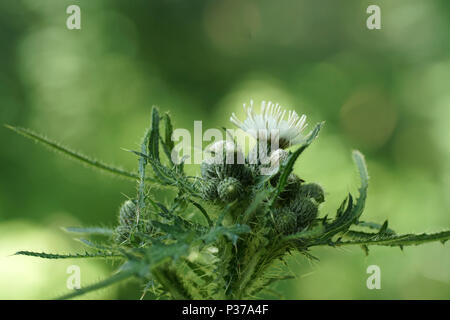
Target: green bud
{"type": "Point", "coordinates": [127, 213]}
{"type": "Point", "coordinates": [208, 189]}
{"type": "Point", "coordinates": [312, 190]}
{"type": "Point", "coordinates": [305, 209]}
{"type": "Point", "coordinates": [211, 170]}
{"type": "Point", "coordinates": [292, 188]}
{"type": "Point", "coordinates": [127, 223]}
{"type": "Point", "coordinates": [229, 189]}
{"type": "Point", "coordinates": [127, 218]}
{"type": "Point", "coordinates": [285, 221]}
{"type": "Point", "coordinates": [227, 161]}
{"type": "Point", "coordinates": [121, 233]}
{"type": "Point", "coordinates": [294, 183]}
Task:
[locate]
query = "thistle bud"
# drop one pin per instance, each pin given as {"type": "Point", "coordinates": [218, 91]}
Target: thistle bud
{"type": "Point", "coordinates": [121, 233]}
{"type": "Point", "coordinates": [285, 221]}
{"type": "Point", "coordinates": [227, 161]}
{"type": "Point", "coordinates": [292, 188]}
{"type": "Point", "coordinates": [127, 217]}
{"type": "Point", "coordinates": [208, 190]}
{"type": "Point", "coordinates": [305, 209]}
{"type": "Point", "coordinates": [312, 190]}
{"type": "Point", "coordinates": [124, 232]}
{"type": "Point", "coordinates": [294, 183]}
{"type": "Point", "coordinates": [127, 213]}
{"type": "Point", "coordinates": [229, 189]}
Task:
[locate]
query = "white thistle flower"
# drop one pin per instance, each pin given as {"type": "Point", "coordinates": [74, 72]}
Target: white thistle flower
{"type": "Point", "coordinates": [270, 124]}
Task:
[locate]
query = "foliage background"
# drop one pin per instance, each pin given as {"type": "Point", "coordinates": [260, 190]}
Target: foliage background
{"type": "Point", "coordinates": [384, 92]}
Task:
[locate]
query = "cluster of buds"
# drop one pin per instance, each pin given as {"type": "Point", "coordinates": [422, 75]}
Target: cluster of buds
{"type": "Point", "coordinates": [228, 175]}
{"type": "Point", "coordinates": [294, 214]}
{"type": "Point", "coordinates": [225, 175]}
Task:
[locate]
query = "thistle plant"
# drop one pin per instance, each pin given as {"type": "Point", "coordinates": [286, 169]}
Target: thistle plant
{"type": "Point", "coordinates": [224, 231]}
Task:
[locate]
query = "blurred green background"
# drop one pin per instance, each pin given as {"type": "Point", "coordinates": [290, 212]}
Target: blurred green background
{"type": "Point", "coordinates": [385, 92]}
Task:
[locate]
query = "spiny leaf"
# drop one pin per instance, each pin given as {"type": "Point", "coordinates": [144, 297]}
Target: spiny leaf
{"type": "Point", "coordinates": [305, 234]}
{"type": "Point", "coordinates": [174, 178]}
{"type": "Point", "coordinates": [153, 143]}
{"type": "Point", "coordinates": [160, 253]}
{"type": "Point", "coordinates": [383, 228]}
{"type": "Point", "coordinates": [364, 177]}
{"type": "Point", "coordinates": [399, 240]}
{"type": "Point", "coordinates": [96, 164]}
{"type": "Point", "coordinates": [168, 176]}
{"type": "Point", "coordinates": [168, 131]}
{"type": "Point", "coordinates": [168, 143]}
{"type": "Point", "coordinates": [148, 285]}
{"type": "Point", "coordinates": [153, 148]}
{"type": "Point", "coordinates": [66, 256]}
{"type": "Point", "coordinates": [232, 233]}
{"type": "Point", "coordinates": [186, 224]}
{"type": "Point", "coordinates": [163, 208]}
{"type": "Point", "coordinates": [224, 212]}
{"type": "Point", "coordinates": [203, 211]}
{"type": "Point", "coordinates": [360, 234]}
{"type": "Point", "coordinates": [340, 223]}
{"type": "Point", "coordinates": [198, 269]}
{"type": "Point", "coordinates": [374, 226]}
{"type": "Point", "coordinates": [174, 231]}
{"type": "Point", "coordinates": [344, 219]}
{"type": "Point", "coordinates": [287, 167]}
{"type": "Point", "coordinates": [343, 206]}
{"type": "Point", "coordinates": [254, 204]}
{"type": "Point", "coordinates": [141, 187]}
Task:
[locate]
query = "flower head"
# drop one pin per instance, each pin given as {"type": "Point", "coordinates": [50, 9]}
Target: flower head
{"type": "Point", "coordinates": [270, 124]}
